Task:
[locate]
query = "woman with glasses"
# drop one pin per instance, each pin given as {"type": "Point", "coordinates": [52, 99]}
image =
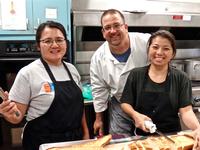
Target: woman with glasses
{"type": "Point", "coordinates": [47, 91]}
{"type": "Point", "coordinates": [109, 68]}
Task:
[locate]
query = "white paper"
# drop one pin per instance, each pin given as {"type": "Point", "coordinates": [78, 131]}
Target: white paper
{"type": "Point", "coordinates": [13, 14]}
{"type": "Point", "coordinates": [51, 13]}
{"type": "Point", "coordinates": [187, 17]}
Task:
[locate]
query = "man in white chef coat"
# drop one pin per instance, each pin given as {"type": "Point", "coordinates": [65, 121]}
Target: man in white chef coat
{"type": "Point", "coordinates": [109, 68]}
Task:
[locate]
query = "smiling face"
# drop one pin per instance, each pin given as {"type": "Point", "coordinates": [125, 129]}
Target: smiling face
{"type": "Point", "coordinates": [160, 51]}
{"type": "Point", "coordinates": [114, 29]}
{"type": "Point", "coordinates": [52, 45]}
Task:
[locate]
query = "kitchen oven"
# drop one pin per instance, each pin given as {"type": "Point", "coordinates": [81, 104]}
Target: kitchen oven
{"type": "Point", "coordinates": [13, 56]}
{"type": "Point", "coordinates": [180, 18]}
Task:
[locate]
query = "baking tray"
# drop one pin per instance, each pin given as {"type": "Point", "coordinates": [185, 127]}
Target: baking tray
{"type": "Point", "coordinates": [116, 139]}
{"type": "Point", "coordinates": [61, 144]}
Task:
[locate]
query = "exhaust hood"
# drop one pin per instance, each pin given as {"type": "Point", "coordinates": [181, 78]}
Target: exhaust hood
{"type": "Point", "coordinates": [143, 13]}
{"type": "Point", "coordinates": [180, 18]}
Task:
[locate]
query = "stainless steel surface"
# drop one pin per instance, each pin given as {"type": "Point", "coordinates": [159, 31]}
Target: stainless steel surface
{"type": "Point", "coordinates": [193, 69]}
{"type": "Point", "coordinates": [88, 45]}
{"type": "Point", "coordinates": [148, 13]}
{"type": "Point", "coordinates": [46, 146]}
{"type": "Point", "coordinates": [84, 56]}
{"type": "Point", "coordinates": [163, 135]}
{"type": "Point", "coordinates": [196, 97]}
{"type": "Point", "coordinates": [196, 90]}
{"type": "Point", "coordinates": [86, 18]}
{"type": "Point", "coordinates": [178, 64]}
{"type": "Point", "coordinates": [83, 68]}
{"type": "Point", "coordinates": [127, 139]}
{"type": "Point", "coordinates": [143, 14]}
{"type": "Point", "coordinates": [188, 53]}
{"type": "Point", "coordinates": [140, 6]}
{"type": "Point", "coordinates": [91, 18]}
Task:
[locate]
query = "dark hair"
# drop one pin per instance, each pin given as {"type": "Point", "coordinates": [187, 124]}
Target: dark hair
{"type": "Point", "coordinates": [165, 34]}
{"type": "Point", "coordinates": [112, 11]}
{"type": "Point", "coordinates": [50, 24]}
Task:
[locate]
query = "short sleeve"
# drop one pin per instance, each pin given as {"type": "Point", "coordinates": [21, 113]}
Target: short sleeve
{"type": "Point", "coordinates": [128, 95]}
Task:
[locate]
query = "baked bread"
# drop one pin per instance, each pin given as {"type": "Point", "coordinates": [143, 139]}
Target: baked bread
{"type": "Point", "coordinates": [160, 143]}
{"type": "Point", "coordinates": [185, 142]}
{"type": "Point", "coordinates": [92, 145]}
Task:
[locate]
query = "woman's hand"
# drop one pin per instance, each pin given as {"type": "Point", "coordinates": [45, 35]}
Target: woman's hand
{"type": "Point", "coordinates": [196, 136]}
{"type": "Point", "coordinates": [137, 117]}
{"type": "Point", "coordinates": [7, 108]}
{"type": "Point", "coordinates": [139, 121]}
{"type": "Point", "coordinates": [12, 111]}
{"type": "Point", "coordinates": [196, 144]}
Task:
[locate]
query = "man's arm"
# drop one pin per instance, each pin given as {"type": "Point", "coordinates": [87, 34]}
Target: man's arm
{"type": "Point", "coordinates": [98, 124]}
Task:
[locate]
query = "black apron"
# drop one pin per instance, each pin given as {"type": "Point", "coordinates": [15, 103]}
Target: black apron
{"type": "Point", "coordinates": [157, 106]}
{"type": "Point", "coordinates": [62, 121]}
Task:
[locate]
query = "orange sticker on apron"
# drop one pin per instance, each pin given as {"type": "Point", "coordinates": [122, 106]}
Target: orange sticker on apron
{"type": "Point", "coordinates": [47, 87]}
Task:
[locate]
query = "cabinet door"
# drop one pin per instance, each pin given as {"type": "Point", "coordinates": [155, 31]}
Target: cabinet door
{"type": "Point", "coordinates": [29, 21]}
{"type": "Point", "coordinates": [56, 10]}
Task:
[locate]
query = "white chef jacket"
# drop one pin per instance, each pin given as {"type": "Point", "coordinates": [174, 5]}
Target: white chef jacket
{"type": "Point", "coordinates": [108, 75]}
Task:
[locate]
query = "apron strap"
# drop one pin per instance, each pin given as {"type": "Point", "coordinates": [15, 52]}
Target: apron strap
{"type": "Point", "coordinates": [70, 76]}
{"type": "Point", "coordinates": [48, 70]}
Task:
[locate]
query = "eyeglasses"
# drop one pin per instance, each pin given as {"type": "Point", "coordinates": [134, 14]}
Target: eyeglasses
{"type": "Point", "coordinates": [50, 42]}
{"type": "Point", "coordinates": [115, 26]}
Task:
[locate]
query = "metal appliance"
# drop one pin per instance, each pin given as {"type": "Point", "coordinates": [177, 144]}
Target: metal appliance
{"type": "Point", "coordinates": [180, 18]}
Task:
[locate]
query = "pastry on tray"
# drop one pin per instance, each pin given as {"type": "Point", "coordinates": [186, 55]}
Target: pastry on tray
{"type": "Point", "coordinates": [91, 145]}
{"type": "Point", "coordinates": [181, 142]}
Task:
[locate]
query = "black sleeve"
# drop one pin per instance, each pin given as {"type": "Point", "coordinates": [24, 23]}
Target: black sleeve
{"type": "Point", "coordinates": [181, 90]}
{"type": "Point", "coordinates": [185, 96]}
{"type": "Point", "coordinates": [128, 95]}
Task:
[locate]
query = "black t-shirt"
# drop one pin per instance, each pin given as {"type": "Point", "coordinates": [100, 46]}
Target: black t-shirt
{"type": "Point", "coordinates": [154, 87]}
{"type": "Point", "coordinates": [180, 87]}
